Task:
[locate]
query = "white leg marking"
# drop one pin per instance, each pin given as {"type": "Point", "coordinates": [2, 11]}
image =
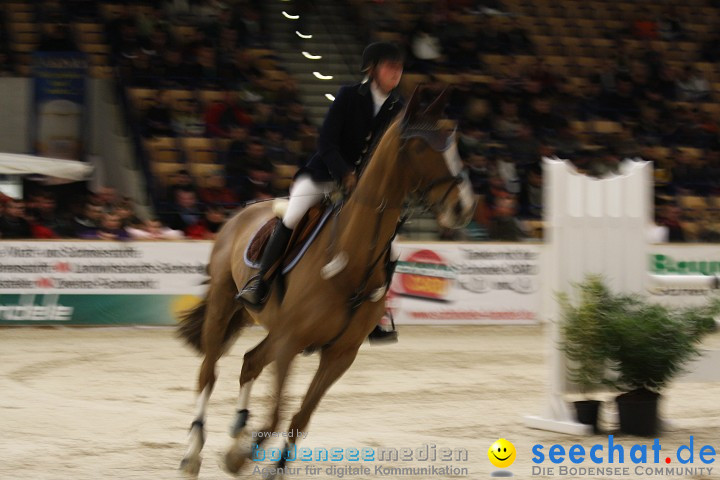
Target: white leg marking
{"type": "Point", "coordinates": [244, 396]}
{"type": "Point", "coordinates": [202, 402]}
{"type": "Point", "coordinates": [195, 443]}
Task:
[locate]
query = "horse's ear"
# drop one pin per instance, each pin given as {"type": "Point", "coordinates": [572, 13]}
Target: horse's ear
{"type": "Point", "coordinates": [412, 106]}
{"type": "Point", "coordinates": [435, 110]}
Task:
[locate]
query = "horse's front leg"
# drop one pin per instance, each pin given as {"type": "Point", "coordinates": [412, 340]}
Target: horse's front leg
{"type": "Point", "coordinates": [254, 361]}
{"type": "Point", "coordinates": [333, 364]}
{"type": "Point", "coordinates": [253, 364]}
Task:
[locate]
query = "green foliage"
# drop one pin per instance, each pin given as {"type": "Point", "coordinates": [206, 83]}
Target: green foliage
{"type": "Point", "coordinates": [584, 331]}
{"type": "Point", "coordinates": [645, 344]}
{"type": "Point", "coordinates": [651, 343]}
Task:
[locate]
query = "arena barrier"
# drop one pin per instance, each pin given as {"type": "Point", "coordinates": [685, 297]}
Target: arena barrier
{"type": "Point", "coordinates": [74, 282]}
{"type": "Point", "coordinates": [99, 283]}
{"type": "Point", "coordinates": [597, 226]}
{"type": "Point", "coordinates": [467, 283]}
{"type": "Point", "coordinates": [148, 283]}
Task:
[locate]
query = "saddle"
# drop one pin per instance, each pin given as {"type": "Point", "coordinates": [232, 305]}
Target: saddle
{"type": "Point", "coordinates": [302, 237]}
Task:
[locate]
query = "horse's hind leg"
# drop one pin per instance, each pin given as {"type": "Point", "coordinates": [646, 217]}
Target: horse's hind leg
{"type": "Point", "coordinates": [333, 364]}
{"type": "Point", "coordinates": [221, 309]}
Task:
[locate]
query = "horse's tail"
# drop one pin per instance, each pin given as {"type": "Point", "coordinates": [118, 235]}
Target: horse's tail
{"type": "Point", "coordinates": [191, 326]}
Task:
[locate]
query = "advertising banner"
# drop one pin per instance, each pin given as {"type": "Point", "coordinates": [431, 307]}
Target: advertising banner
{"type": "Point", "coordinates": [59, 104]}
{"type": "Point", "coordinates": [679, 259]}
{"type": "Point", "coordinates": [148, 283]}
{"type": "Point", "coordinates": [473, 283]}
{"type": "Point", "coordinates": [100, 282]}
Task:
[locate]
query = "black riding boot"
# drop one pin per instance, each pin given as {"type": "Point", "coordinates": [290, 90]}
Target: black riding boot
{"type": "Point", "coordinates": [256, 290]}
{"type": "Point", "coordinates": [380, 335]}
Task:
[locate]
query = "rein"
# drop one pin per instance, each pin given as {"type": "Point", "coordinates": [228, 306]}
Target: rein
{"type": "Point", "coordinates": [360, 295]}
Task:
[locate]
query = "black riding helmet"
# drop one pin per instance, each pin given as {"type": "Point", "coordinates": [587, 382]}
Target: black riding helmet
{"type": "Point", "coordinates": [378, 52]}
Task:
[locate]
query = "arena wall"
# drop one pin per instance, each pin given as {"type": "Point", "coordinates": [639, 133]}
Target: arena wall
{"type": "Point", "coordinates": [148, 283]}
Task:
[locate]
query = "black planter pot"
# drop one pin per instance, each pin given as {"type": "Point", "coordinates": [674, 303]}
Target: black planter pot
{"type": "Point", "coordinates": [587, 412]}
{"type": "Point", "coordinates": [638, 412]}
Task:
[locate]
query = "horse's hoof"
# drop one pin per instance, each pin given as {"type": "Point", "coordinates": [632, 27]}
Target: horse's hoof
{"type": "Point", "coordinates": [191, 466]}
{"type": "Point", "coordinates": [235, 459]}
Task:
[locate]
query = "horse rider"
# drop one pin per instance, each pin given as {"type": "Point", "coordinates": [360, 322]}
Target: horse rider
{"type": "Point", "coordinates": [356, 120]}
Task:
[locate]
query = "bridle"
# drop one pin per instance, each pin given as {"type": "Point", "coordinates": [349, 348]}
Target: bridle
{"type": "Point", "coordinates": [439, 142]}
{"type": "Point", "coordinates": [421, 196]}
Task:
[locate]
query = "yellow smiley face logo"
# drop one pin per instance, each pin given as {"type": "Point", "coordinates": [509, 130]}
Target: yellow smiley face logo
{"type": "Point", "coordinates": [502, 453]}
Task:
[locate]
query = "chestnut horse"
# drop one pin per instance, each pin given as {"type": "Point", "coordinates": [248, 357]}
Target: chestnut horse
{"type": "Point", "coordinates": [416, 156]}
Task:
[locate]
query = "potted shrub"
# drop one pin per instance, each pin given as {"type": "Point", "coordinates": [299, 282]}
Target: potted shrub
{"type": "Point", "coordinates": [583, 330]}
{"type": "Point", "coordinates": [630, 344]}
{"type": "Point", "coordinates": [648, 345]}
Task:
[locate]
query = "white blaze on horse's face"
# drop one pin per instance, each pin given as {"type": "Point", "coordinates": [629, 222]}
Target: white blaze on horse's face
{"type": "Point", "coordinates": [458, 214]}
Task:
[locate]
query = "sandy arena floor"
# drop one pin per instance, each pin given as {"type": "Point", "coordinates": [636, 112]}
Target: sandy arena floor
{"type": "Point", "coordinates": [117, 402]}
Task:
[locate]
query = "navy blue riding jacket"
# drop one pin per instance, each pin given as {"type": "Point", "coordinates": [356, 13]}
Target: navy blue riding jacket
{"type": "Point", "coordinates": [349, 132]}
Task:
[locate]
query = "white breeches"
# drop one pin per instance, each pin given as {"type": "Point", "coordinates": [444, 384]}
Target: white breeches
{"type": "Point", "coordinates": [306, 192]}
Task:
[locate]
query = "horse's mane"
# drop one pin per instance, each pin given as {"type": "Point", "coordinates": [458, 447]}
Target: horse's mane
{"type": "Point", "coordinates": [391, 135]}
{"type": "Point", "coordinates": [433, 130]}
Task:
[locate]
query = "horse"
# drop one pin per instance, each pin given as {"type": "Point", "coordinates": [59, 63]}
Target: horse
{"type": "Point", "coordinates": [317, 307]}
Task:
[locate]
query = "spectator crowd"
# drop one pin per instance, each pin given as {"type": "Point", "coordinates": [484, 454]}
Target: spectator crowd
{"type": "Point", "coordinates": [201, 69]}
{"type": "Point", "coordinates": [629, 99]}
{"type": "Point", "coordinates": [104, 215]}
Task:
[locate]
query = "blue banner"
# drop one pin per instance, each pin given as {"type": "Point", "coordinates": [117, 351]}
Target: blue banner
{"type": "Point", "coordinates": [59, 118]}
